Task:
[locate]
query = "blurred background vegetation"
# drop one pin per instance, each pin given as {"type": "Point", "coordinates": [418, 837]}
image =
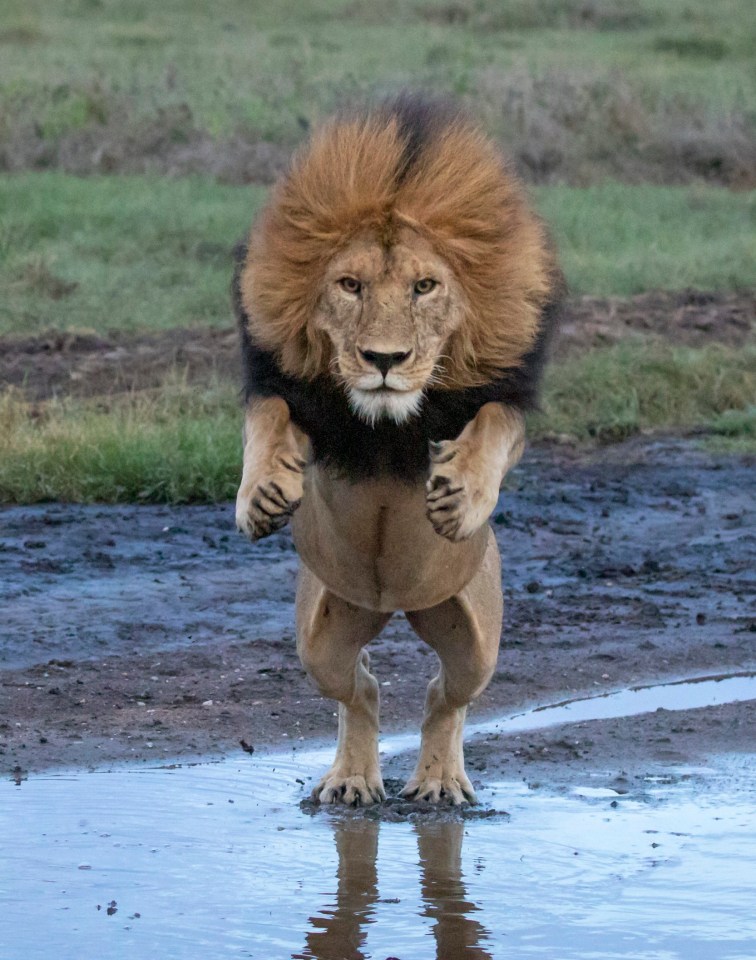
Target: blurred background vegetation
{"type": "Point", "coordinates": [137, 140]}
{"type": "Point", "coordinates": [657, 91]}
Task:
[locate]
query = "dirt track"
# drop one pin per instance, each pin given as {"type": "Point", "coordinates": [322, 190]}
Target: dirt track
{"type": "Point", "coordinates": [151, 633]}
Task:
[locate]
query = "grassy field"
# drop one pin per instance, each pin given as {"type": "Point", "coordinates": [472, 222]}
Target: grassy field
{"type": "Point", "coordinates": [181, 445]}
{"type": "Point", "coordinates": [128, 253]}
{"type": "Point", "coordinates": [638, 89]}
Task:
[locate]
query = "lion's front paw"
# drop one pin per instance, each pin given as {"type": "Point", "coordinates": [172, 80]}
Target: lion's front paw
{"type": "Point", "coordinates": [447, 787]}
{"type": "Point", "coordinates": [354, 790]}
{"type": "Point", "coordinates": [265, 503]}
{"type": "Point", "coordinates": [460, 493]}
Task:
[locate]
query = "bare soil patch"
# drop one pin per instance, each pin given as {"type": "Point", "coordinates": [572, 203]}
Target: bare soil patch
{"type": "Point", "coordinates": [689, 318]}
{"type": "Point", "coordinates": [157, 633]}
{"type": "Point", "coordinates": [84, 364]}
{"type": "Point", "coordinates": [89, 364]}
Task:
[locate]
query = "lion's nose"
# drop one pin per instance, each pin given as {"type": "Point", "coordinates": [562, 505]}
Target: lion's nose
{"type": "Point", "coordinates": [384, 361]}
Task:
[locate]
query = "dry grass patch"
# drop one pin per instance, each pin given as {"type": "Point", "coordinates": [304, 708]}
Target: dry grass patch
{"type": "Point", "coordinates": [663, 91]}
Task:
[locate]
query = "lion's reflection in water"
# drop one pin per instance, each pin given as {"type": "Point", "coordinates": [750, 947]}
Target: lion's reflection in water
{"type": "Point", "coordinates": [340, 932]}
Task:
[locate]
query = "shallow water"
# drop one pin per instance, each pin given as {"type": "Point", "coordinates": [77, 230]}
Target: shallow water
{"type": "Point", "coordinates": [689, 694]}
{"type": "Point", "coordinates": [217, 860]}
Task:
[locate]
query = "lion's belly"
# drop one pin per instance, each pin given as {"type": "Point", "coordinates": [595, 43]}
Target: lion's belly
{"type": "Point", "coordinates": [372, 544]}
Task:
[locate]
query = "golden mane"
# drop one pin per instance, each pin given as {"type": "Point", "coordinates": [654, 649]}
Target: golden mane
{"type": "Point", "coordinates": [448, 182]}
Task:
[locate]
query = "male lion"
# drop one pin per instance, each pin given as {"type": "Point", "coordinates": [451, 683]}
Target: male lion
{"type": "Point", "coordinates": [394, 300]}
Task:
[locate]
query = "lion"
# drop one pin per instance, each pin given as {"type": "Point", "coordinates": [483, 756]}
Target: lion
{"type": "Point", "coordinates": [395, 300]}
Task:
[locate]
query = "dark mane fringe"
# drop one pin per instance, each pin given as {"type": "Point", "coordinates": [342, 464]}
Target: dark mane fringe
{"type": "Point", "coordinates": [420, 121]}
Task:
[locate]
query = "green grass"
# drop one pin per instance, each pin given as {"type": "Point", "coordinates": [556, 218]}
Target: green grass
{"type": "Point", "coordinates": [611, 76]}
{"type": "Point", "coordinates": [612, 393]}
{"type": "Point", "coordinates": [134, 253]}
{"type": "Point", "coordinates": [634, 90]}
{"type": "Point", "coordinates": [266, 64]}
{"type": "Point", "coordinates": [183, 444]}
{"type": "Point", "coordinates": [131, 253]}
{"type": "Point", "coordinates": [617, 239]}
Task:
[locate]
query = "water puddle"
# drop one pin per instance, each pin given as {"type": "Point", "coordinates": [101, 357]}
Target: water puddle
{"type": "Point", "coordinates": [689, 694]}
{"type": "Point", "coordinates": [217, 860]}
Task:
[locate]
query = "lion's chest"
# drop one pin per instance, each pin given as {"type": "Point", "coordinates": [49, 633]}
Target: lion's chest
{"type": "Point", "coordinates": [371, 544]}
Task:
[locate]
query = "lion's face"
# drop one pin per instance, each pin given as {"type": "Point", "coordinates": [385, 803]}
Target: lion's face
{"type": "Point", "coordinates": [388, 314]}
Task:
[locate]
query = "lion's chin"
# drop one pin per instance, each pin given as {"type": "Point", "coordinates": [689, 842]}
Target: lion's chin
{"type": "Point", "coordinates": [374, 405]}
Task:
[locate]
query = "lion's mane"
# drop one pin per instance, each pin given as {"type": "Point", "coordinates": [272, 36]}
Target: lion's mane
{"type": "Point", "coordinates": [418, 163]}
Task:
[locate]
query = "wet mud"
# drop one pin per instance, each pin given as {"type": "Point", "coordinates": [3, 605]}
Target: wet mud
{"type": "Point", "coordinates": [158, 633]}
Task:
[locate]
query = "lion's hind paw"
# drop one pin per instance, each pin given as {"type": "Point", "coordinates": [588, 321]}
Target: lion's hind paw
{"type": "Point", "coordinates": [450, 790]}
{"type": "Point", "coordinates": [354, 791]}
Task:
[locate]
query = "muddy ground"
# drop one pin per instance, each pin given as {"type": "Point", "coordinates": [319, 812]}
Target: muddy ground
{"type": "Point", "coordinates": [82, 363]}
{"type": "Point", "coordinates": [155, 634]}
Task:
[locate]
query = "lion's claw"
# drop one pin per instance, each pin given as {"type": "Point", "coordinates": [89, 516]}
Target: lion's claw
{"type": "Point", "coordinates": [453, 790]}
{"type": "Point", "coordinates": [266, 506]}
{"type": "Point", "coordinates": [458, 500]}
{"type": "Point", "coordinates": [353, 791]}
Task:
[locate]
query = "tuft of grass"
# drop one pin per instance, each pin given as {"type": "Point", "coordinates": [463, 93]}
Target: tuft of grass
{"type": "Point", "coordinates": [733, 432]}
{"type": "Point", "coordinates": [613, 393]}
{"type": "Point", "coordinates": [735, 423]}
{"type": "Point", "coordinates": [705, 47]}
{"type": "Point", "coordinates": [580, 125]}
{"type": "Point", "coordinates": [182, 444]}
{"type": "Point", "coordinates": [136, 253]}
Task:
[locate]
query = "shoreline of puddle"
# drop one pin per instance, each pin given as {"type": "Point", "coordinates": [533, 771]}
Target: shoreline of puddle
{"type": "Point", "coordinates": [642, 698]}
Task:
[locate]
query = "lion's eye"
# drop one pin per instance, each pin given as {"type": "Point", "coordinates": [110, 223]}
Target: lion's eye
{"type": "Point", "coordinates": [425, 286]}
{"type": "Point", "coordinates": [351, 285]}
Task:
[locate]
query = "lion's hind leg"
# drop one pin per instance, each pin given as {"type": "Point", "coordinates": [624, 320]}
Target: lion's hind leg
{"type": "Point", "coordinates": [331, 635]}
{"type": "Point", "coordinates": [464, 631]}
